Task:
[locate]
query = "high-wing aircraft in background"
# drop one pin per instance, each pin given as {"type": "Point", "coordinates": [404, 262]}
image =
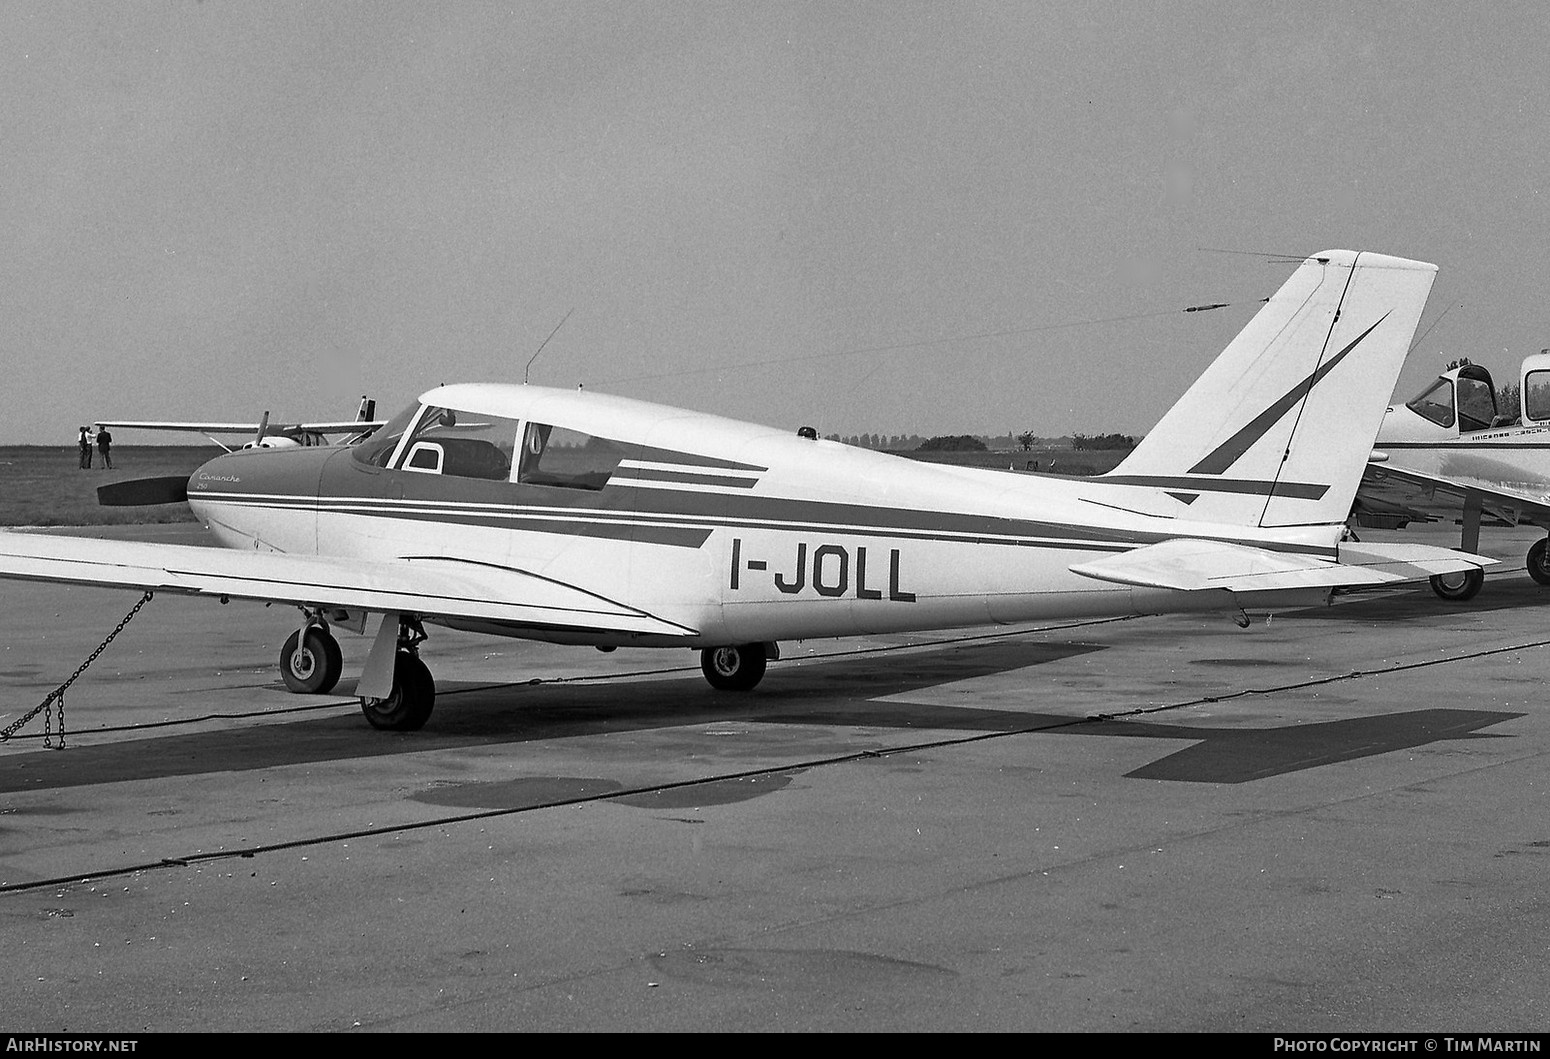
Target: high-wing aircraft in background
{"type": "Point", "coordinates": [581, 518]}
{"type": "Point", "coordinates": [1452, 453]}
{"type": "Point", "coordinates": [264, 434]}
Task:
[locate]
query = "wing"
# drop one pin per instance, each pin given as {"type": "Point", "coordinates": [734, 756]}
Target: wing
{"type": "Point", "coordinates": [343, 427]}
{"type": "Point", "coordinates": [1194, 565]}
{"type": "Point", "coordinates": [432, 587]}
{"type": "Point", "coordinates": [191, 428]}
{"type": "Point", "coordinates": [1412, 496]}
{"type": "Point", "coordinates": [351, 427]}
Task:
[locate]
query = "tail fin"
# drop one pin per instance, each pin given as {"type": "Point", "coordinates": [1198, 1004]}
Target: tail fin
{"type": "Point", "coordinates": [1278, 430]}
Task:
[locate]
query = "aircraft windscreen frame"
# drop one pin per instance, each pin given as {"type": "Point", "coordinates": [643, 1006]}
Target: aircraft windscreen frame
{"type": "Point", "coordinates": [377, 450]}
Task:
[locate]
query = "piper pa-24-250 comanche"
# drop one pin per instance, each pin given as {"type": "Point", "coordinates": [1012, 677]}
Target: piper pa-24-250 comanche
{"type": "Point", "coordinates": [580, 518]}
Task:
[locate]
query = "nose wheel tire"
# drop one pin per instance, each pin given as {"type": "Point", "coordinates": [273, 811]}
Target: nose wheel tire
{"type": "Point", "coordinates": [1458, 588]}
{"type": "Point", "coordinates": [1539, 562]}
{"type": "Point", "coordinates": [736, 668]}
{"type": "Point", "coordinates": [311, 667]}
{"type": "Point", "coordinates": [409, 706]}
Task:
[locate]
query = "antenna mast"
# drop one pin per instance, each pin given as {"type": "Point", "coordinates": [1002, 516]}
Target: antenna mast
{"type": "Point", "coordinates": [544, 343]}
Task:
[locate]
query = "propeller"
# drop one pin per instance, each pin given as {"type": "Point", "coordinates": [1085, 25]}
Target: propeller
{"type": "Point", "coordinates": [140, 491]}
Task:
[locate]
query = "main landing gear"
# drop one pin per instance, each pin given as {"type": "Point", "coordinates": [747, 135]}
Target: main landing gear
{"type": "Point", "coordinates": [1538, 561]}
{"type": "Point", "coordinates": [1459, 588]}
{"type": "Point", "coordinates": [738, 667]}
{"type": "Point", "coordinates": [407, 706]}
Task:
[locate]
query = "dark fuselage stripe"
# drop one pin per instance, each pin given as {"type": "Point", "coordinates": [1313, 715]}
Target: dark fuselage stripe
{"type": "Point", "coordinates": [1296, 490]}
{"type": "Point", "coordinates": [686, 529]}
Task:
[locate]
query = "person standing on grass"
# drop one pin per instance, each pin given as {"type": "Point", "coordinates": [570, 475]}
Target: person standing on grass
{"type": "Point", "coordinates": [85, 449]}
{"type": "Point", "coordinates": [104, 443]}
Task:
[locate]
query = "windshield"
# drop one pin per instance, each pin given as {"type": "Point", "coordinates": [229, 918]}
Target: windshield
{"type": "Point", "coordinates": [462, 444]}
{"type": "Point", "coordinates": [1435, 403]}
{"type": "Point", "coordinates": [378, 448]}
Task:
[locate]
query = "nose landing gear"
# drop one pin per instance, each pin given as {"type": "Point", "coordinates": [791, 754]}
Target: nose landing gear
{"type": "Point", "coordinates": [310, 664]}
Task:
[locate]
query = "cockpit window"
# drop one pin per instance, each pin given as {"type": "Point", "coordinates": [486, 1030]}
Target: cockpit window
{"type": "Point", "coordinates": [461, 444]}
{"type": "Point", "coordinates": [1477, 404]}
{"type": "Point", "coordinates": [567, 458]}
{"type": "Point", "coordinates": [1435, 403]}
{"type": "Point", "coordinates": [377, 449]}
{"type": "Point", "coordinates": [1536, 395]}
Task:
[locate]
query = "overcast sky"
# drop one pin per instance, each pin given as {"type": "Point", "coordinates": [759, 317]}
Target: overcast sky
{"type": "Point", "coordinates": [211, 209]}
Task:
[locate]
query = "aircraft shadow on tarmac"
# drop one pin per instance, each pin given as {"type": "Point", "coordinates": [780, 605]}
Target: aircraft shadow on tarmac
{"type": "Point", "coordinates": [1504, 592]}
{"type": "Point", "coordinates": [802, 710]}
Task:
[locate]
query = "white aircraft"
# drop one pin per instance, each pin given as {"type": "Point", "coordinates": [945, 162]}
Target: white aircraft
{"type": "Point", "coordinates": [581, 518]}
{"type": "Point", "coordinates": [1451, 452]}
{"type": "Point", "coordinates": [265, 435]}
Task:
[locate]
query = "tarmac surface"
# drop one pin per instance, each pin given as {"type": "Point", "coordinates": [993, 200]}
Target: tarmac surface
{"type": "Point", "coordinates": [1336, 821]}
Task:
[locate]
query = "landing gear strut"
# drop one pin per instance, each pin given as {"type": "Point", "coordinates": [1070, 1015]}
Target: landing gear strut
{"type": "Point", "coordinates": [407, 706]}
{"type": "Point", "coordinates": [1458, 588]}
{"type": "Point", "coordinates": [735, 668]}
{"type": "Point", "coordinates": [310, 664]}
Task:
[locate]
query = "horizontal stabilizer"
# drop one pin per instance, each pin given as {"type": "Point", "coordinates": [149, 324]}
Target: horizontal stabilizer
{"type": "Point", "coordinates": [432, 587]}
{"type": "Point", "coordinates": [1196, 565]}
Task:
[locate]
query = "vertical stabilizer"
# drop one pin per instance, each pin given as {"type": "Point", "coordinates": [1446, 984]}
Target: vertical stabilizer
{"type": "Point", "coordinates": [1278, 430]}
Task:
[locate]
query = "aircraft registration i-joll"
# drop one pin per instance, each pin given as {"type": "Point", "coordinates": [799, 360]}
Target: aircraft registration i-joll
{"type": "Point", "coordinates": [581, 518]}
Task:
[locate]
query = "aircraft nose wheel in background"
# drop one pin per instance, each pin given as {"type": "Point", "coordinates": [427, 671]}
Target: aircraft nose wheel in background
{"type": "Point", "coordinates": [735, 668]}
{"type": "Point", "coordinates": [1457, 588]}
{"type": "Point", "coordinates": [311, 667]}
{"type": "Point", "coordinates": [409, 705]}
{"type": "Point", "coordinates": [1538, 562]}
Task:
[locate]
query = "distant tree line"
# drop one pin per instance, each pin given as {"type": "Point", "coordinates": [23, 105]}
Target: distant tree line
{"type": "Point", "coordinates": [979, 442]}
{"type": "Point", "coordinates": [953, 443]}
{"type": "Point", "coordinates": [896, 442]}
{"type": "Point", "coordinates": [1102, 441]}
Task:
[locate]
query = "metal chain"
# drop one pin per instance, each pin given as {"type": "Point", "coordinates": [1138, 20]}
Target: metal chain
{"type": "Point", "coordinates": [58, 694]}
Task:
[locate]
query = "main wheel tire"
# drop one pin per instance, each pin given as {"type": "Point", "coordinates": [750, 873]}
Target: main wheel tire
{"type": "Point", "coordinates": [1458, 588]}
{"type": "Point", "coordinates": [736, 668]}
{"type": "Point", "coordinates": [311, 667]}
{"type": "Point", "coordinates": [1539, 561]}
{"type": "Point", "coordinates": [409, 706]}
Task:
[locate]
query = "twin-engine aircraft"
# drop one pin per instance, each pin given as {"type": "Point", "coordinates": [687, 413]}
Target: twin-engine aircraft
{"type": "Point", "coordinates": [580, 518]}
{"type": "Point", "coordinates": [1451, 452]}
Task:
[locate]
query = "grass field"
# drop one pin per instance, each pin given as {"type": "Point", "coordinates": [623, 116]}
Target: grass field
{"type": "Point", "coordinates": [45, 487]}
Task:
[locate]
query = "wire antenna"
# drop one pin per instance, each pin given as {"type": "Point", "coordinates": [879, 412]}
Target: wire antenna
{"type": "Point", "coordinates": [1429, 330]}
{"type": "Point", "coordinates": [544, 343]}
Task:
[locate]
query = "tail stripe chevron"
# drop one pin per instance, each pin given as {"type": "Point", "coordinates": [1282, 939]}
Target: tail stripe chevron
{"type": "Point", "coordinates": [1228, 453]}
{"type": "Point", "coordinates": [1294, 439]}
